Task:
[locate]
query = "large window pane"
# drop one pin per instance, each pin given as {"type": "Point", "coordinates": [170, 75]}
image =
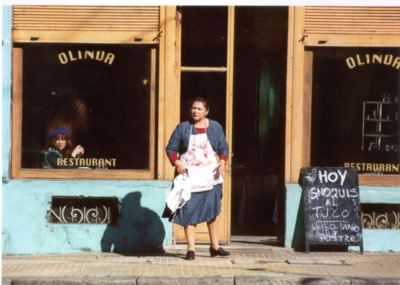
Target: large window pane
{"type": "Point", "coordinates": [100, 93]}
{"type": "Point", "coordinates": [355, 113]}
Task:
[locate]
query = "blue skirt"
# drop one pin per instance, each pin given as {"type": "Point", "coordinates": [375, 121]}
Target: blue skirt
{"type": "Point", "coordinates": [202, 207]}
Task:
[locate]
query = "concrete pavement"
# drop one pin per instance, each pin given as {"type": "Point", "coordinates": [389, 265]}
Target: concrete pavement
{"type": "Point", "coordinates": [249, 264]}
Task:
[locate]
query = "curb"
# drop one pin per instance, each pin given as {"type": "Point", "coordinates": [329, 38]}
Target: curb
{"type": "Point", "coordinates": [216, 280]}
{"type": "Point", "coordinates": [301, 280]}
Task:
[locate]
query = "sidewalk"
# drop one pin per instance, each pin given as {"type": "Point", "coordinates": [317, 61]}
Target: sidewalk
{"type": "Point", "coordinates": [248, 264]}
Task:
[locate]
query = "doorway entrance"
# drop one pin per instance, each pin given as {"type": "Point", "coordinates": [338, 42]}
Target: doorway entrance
{"type": "Point", "coordinates": [206, 70]}
{"type": "Point", "coordinates": [259, 120]}
{"type": "Point", "coordinates": [251, 42]}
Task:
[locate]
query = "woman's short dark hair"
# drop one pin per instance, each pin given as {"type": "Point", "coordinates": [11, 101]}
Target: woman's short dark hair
{"type": "Point", "coordinates": [202, 100]}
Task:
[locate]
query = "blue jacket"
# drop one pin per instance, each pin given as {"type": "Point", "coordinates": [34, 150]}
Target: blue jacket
{"type": "Point", "coordinates": [179, 140]}
{"type": "Point", "coordinates": [51, 157]}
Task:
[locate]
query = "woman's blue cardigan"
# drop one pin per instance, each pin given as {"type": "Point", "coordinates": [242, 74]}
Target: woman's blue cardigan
{"type": "Point", "coordinates": [179, 141]}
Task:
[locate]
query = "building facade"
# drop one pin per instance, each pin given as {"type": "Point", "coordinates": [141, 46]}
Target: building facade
{"type": "Point", "coordinates": [292, 87]}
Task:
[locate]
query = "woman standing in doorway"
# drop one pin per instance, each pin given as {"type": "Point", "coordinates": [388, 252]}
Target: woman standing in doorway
{"type": "Point", "coordinates": [198, 148]}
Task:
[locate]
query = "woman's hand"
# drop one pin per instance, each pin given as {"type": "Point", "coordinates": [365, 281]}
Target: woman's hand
{"type": "Point", "coordinates": [180, 167]}
{"type": "Point", "coordinates": [222, 167]}
{"type": "Point", "coordinates": [78, 151]}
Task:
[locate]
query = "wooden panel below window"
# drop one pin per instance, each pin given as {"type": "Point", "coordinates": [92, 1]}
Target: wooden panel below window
{"type": "Point", "coordinates": [379, 180]}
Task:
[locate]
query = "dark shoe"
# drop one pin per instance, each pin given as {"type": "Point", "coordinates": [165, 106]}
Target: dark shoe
{"type": "Point", "coordinates": [189, 255]}
{"type": "Point", "coordinates": [219, 252]}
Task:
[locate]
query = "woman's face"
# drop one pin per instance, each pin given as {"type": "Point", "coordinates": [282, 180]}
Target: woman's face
{"type": "Point", "coordinates": [198, 111]}
{"type": "Point", "coordinates": [60, 142]}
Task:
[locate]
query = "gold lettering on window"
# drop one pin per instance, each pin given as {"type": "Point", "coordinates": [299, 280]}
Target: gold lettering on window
{"type": "Point", "coordinates": [76, 55]}
{"type": "Point", "coordinates": [365, 59]}
{"type": "Point", "coordinates": [375, 167]}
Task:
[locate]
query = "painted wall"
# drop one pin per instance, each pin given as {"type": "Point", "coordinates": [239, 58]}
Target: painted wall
{"type": "Point", "coordinates": [25, 203]}
{"type": "Point", "coordinates": [26, 229]}
{"type": "Point", "coordinates": [374, 239]}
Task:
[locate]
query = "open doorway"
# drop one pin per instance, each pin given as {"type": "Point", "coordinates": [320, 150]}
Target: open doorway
{"type": "Point", "coordinates": [205, 71]}
{"type": "Point", "coordinates": [259, 120]}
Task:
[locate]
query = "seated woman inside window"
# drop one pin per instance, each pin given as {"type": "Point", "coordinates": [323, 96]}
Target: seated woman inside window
{"type": "Point", "coordinates": [59, 147]}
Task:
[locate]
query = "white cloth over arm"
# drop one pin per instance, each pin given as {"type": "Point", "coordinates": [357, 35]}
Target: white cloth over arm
{"type": "Point", "coordinates": [180, 193]}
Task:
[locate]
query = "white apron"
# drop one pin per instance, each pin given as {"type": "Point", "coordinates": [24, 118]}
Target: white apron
{"type": "Point", "coordinates": [201, 161]}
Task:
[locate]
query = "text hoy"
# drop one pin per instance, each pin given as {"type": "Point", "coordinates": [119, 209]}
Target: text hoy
{"type": "Point", "coordinates": [332, 177]}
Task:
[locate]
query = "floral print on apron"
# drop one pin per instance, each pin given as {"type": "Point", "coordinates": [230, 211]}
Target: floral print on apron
{"type": "Point", "coordinates": [201, 161]}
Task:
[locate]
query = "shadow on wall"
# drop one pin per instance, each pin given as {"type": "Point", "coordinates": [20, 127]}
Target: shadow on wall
{"type": "Point", "coordinates": [137, 231]}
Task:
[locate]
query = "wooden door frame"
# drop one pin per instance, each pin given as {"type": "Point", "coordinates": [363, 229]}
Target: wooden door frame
{"type": "Point", "coordinates": [225, 223]}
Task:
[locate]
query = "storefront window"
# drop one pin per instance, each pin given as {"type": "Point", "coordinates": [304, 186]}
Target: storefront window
{"type": "Point", "coordinates": [355, 109]}
{"type": "Point", "coordinates": [101, 95]}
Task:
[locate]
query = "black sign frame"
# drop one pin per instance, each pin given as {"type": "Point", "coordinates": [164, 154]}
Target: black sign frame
{"type": "Point", "coordinates": [332, 212]}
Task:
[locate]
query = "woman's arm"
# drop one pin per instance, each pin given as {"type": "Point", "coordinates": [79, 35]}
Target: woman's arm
{"type": "Point", "coordinates": [55, 160]}
{"type": "Point", "coordinates": [219, 144]}
{"type": "Point", "coordinates": [52, 159]}
{"type": "Point", "coordinates": [174, 145]}
{"type": "Point", "coordinates": [222, 148]}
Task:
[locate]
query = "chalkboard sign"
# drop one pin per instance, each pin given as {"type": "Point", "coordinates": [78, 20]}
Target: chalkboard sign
{"type": "Point", "coordinates": [332, 214]}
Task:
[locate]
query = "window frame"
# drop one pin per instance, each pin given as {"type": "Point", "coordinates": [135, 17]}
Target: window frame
{"type": "Point", "coordinates": [364, 179]}
{"type": "Point", "coordinates": [298, 96]}
{"type": "Point", "coordinates": [16, 136]}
